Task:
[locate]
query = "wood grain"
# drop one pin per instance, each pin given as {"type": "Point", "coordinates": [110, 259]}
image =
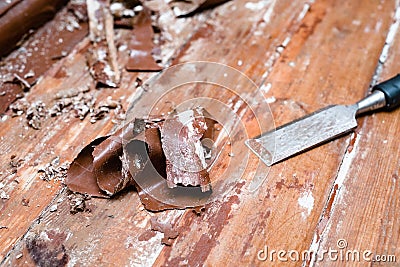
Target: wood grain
{"type": "Point", "coordinates": [62, 136]}
{"type": "Point", "coordinates": [365, 205]}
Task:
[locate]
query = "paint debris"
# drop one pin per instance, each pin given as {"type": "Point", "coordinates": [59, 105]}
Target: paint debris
{"type": "Point", "coordinates": [53, 171]}
{"type": "Point", "coordinates": [306, 201]}
{"type": "Point", "coordinates": [102, 59]}
{"type": "Point", "coordinates": [185, 156]}
{"type": "Point", "coordinates": [170, 234]}
{"type": "Point", "coordinates": [79, 102]}
{"type": "Point", "coordinates": [141, 45]}
{"type": "Point", "coordinates": [77, 203]}
{"type": "Point", "coordinates": [38, 48]}
{"type": "Point", "coordinates": [4, 195]}
{"type": "Point", "coordinates": [139, 154]}
{"type": "Point", "coordinates": [47, 249]}
{"type": "Point", "coordinates": [53, 208]}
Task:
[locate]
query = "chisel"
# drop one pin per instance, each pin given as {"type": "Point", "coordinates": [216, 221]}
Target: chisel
{"type": "Point", "coordinates": [323, 125]}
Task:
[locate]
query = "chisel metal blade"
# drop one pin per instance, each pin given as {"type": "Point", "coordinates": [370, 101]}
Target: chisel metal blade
{"type": "Point", "coordinates": [304, 133]}
{"type": "Point", "coordinates": [323, 125]}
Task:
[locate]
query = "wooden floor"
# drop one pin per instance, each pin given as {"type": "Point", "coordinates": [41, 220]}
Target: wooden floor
{"type": "Point", "coordinates": [304, 55]}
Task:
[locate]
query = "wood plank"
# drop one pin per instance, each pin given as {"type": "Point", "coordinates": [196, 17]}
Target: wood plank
{"type": "Point", "coordinates": [305, 74]}
{"type": "Point", "coordinates": [363, 215]}
{"type": "Point", "coordinates": [35, 56]}
{"type": "Point", "coordinates": [141, 224]}
{"type": "Point", "coordinates": [309, 74]}
{"type": "Point", "coordinates": [63, 136]}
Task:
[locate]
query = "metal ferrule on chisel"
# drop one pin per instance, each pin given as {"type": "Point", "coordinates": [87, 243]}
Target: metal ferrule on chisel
{"type": "Point", "coordinates": [374, 101]}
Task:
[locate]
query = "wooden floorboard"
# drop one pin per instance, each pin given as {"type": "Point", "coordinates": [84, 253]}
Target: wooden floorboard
{"type": "Point", "coordinates": [62, 136]}
{"type": "Point", "coordinates": [304, 56]}
{"type": "Point", "coordinates": [365, 212]}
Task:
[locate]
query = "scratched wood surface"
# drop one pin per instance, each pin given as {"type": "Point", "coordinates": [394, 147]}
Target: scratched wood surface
{"type": "Point", "coordinates": [304, 56]}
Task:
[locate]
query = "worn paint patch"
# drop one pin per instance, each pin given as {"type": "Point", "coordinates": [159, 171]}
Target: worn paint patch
{"type": "Point", "coordinates": [256, 229]}
{"type": "Point", "coordinates": [352, 142]}
{"type": "Point", "coordinates": [268, 14]}
{"type": "Point", "coordinates": [170, 234]}
{"type": "Point", "coordinates": [218, 215]}
{"type": "Point", "coordinates": [306, 201]}
{"type": "Point", "coordinates": [47, 248]}
{"type": "Point", "coordinates": [256, 6]}
{"type": "Point", "coordinates": [147, 235]}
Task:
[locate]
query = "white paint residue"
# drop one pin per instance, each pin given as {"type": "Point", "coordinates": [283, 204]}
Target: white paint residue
{"type": "Point", "coordinates": [390, 37]}
{"type": "Point", "coordinates": [101, 54]}
{"type": "Point", "coordinates": [69, 235]}
{"type": "Point", "coordinates": [114, 7]}
{"type": "Point", "coordinates": [303, 12]}
{"type": "Point", "coordinates": [271, 100]}
{"type": "Point", "coordinates": [280, 49]}
{"type": "Point", "coordinates": [268, 14]}
{"type": "Point", "coordinates": [306, 201]}
{"type": "Point", "coordinates": [342, 174]}
{"type": "Point", "coordinates": [108, 71]}
{"type": "Point", "coordinates": [314, 248]}
{"type": "Point", "coordinates": [185, 118]}
{"type": "Point", "coordinates": [265, 88]}
{"type": "Point", "coordinates": [3, 118]}
{"type": "Point", "coordinates": [122, 48]}
{"type": "Point", "coordinates": [200, 152]}
{"type": "Point", "coordinates": [4, 195]}
{"type": "Point", "coordinates": [83, 254]}
{"type": "Point", "coordinates": [237, 105]}
{"type": "Point", "coordinates": [286, 41]}
{"type": "Point", "coordinates": [43, 235]}
{"type": "Point", "coordinates": [256, 6]}
{"type": "Point", "coordinates": [378, 26]}
{"type": "Point", "coordinates": [347, 162]}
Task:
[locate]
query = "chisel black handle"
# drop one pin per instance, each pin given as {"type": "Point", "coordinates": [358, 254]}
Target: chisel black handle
{"type": "Point", "coordinates": [391, 89]}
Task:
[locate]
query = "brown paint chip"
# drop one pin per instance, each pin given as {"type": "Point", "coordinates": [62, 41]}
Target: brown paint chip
{"type": "Point", "coordinates": [166, 228]}
{"type": "Point", "coordinates": [141, 45]}
{"type": "Point", "coordinates": [181, 142]}
{"type": "Point", "coordinates": [147, 235]}
{"type": "Point", "coordinates": [136, 155]}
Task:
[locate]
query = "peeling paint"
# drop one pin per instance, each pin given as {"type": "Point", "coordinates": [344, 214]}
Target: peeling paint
{"type": "Point", "coordinates": [47, 248]}
{"type": "Point", "coordinates": [256, 6]}
{"type": "Point", "coordinates": [324, 224]}
{"type": "Point", "coordinates": [388, 43]}
{"type": "Point", "coordinates": [267, 15]}
{"type": "Point", "coordinates": [271, 100]}
{"type": "Point", "coordinates": [346, 164]}
{"type": "Point", "coordinates": [306, 201]}
{"type": "Point", "coordinates": [265, 88]}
